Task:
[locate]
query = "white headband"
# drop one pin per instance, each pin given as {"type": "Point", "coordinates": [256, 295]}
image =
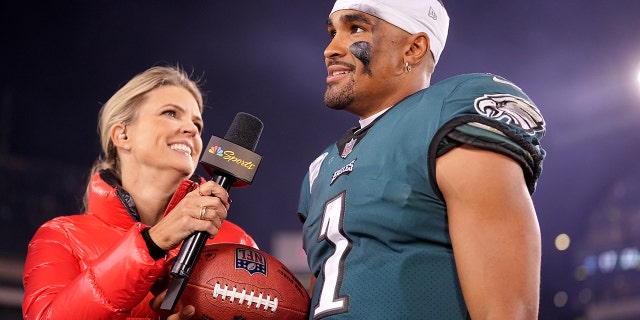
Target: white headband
{"type": "Point", "coordinates": [413, 16]}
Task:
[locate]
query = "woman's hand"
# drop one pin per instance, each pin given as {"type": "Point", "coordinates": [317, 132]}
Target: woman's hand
{"type": "Point", "coordinates": [202, 209]}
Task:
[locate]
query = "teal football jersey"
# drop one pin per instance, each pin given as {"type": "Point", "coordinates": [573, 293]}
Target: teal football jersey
{"type": "Point", "coordinates": [375, 225]}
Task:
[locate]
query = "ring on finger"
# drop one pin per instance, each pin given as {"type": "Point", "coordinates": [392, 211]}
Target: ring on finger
{"type": "Point", "coordinates": [203, 210]}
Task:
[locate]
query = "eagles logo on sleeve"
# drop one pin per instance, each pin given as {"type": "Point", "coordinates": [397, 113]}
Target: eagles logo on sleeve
{"type": "Point", "coordinates": [511, 109]}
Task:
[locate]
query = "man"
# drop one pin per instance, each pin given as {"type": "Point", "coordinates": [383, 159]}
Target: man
{"type": "Point", "coordinates": [424, 211]}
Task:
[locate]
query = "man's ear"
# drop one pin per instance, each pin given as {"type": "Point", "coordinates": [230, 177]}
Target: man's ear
{"type": "Point", "coordinates": [419, 48]}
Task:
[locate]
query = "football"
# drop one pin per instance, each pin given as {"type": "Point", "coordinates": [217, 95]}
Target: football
{"type": "Point", "coordinates": [234, 281]}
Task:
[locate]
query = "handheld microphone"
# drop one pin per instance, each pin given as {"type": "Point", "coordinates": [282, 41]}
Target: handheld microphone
{"type": "Point", "coordinates": [231, 162]}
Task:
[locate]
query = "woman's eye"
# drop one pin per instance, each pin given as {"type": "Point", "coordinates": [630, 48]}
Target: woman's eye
{"type": "Point", "coordinates": [170, 113]}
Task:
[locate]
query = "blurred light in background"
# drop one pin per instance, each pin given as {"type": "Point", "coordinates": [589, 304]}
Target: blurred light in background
{"type": "Point", "coordinates": [560, 299]}
{"type": "Point", "coordinates": [562, 242]}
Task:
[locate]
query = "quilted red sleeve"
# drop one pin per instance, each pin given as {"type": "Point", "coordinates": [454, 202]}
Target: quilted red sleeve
{"type": "Point", "coordinates": [58, 285]}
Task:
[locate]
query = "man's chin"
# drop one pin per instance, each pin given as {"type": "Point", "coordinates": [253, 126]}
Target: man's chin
{"type": "Point", "coordinates": [335, 103]}
{"type": "Point", "coordinates": [339, 98]}
{"type": "Point", "coordinates": [336, 107]}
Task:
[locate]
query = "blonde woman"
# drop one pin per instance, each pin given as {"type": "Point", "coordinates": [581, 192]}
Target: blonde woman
{"type": "Point", "coordinates": [142, 201]}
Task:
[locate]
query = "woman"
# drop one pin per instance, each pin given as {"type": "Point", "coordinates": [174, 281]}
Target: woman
{"type": "Point", "coordinates": [142, 201]}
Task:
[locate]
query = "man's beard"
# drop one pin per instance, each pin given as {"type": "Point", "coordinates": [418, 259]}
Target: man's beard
{"type": "Point", "coordinates": [339, 98]}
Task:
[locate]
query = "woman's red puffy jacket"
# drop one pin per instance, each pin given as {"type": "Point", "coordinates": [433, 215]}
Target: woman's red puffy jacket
{"type": "Point", "coordinates": [97, 265]}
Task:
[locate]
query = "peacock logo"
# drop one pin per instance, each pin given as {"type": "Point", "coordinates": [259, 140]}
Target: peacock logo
{"type": "Point", "coordinates": [218, 151]}
{"type": "Point", "coordinates": [230, 156]}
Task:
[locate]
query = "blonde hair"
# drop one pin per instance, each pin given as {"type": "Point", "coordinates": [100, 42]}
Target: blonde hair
{"type": "Point", "coordinates": [123, 106]}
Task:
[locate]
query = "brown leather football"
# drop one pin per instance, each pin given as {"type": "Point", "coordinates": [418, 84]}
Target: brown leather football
{"type": "Point", "coordinates": [234, 281]}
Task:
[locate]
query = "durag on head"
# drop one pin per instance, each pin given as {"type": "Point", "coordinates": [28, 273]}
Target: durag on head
{"type": "Point", "coordinates": [413, 16]}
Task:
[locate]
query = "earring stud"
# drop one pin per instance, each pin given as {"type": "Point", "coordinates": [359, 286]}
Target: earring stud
{"type": "Point", "coordinates": [407, 67]}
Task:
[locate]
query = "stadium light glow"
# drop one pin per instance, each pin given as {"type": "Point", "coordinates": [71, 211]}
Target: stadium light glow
{"type": "Point", "coordinates": [562, 242]}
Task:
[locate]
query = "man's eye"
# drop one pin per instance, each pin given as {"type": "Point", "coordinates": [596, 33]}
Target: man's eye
{"type": "Point", "coordinates": [357, 29]}
{"type": "Point", "coordinates": [332, 34]}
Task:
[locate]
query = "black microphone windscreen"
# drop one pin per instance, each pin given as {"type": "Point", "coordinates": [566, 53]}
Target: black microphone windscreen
{"type": "Point", "coordinates": [245, 131]}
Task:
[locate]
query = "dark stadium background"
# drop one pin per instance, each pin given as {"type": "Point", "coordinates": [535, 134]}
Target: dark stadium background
{"type": "Point", "coordinates": [578, 60]}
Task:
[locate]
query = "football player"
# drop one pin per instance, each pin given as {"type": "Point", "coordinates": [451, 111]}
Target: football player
{"type": "Point", "coordinates": [424, 211]}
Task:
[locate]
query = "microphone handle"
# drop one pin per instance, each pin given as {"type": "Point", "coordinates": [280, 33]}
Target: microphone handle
{"type": "Point", "coordinates": [193, 244]}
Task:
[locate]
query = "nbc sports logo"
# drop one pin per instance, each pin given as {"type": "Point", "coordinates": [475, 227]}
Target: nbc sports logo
{"type": "Point", "coordinates": [217, 151]}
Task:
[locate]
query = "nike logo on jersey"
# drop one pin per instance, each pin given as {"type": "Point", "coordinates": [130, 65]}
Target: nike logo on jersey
{"type": "Point", "coordinates": [343, 171]}
{"type": "Point", "coordinates": [511, 109]}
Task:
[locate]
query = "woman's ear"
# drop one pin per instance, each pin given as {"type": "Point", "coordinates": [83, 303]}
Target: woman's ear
{"type": "Point", "coordinates": [119, 136]}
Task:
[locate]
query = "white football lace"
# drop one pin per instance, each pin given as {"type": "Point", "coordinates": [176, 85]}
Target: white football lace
{"type": "Point", "coordinates": [250, 298]}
